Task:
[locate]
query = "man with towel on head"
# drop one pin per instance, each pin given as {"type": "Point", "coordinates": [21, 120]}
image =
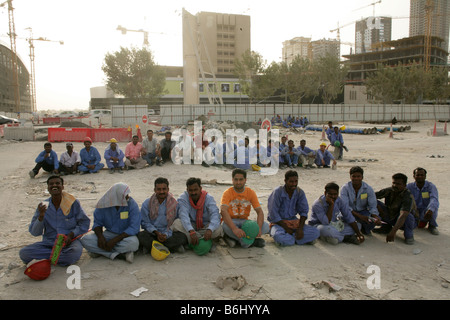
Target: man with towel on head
{"type": "Point", "coordinates": [62, 214]}
{"type": "Point", "coordinates": [158, 214]}
{"type": "Point", "coordinates": [119, 214]}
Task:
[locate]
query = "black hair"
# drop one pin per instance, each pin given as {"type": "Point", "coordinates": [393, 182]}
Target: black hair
{"type": "Point", "coordinates": [400, 176]}
{"type": "Point", "coordinates": [191, 181]}
{"type": "Point", "coordinates": [239, 171]}
{"type": "Point", "coordinates": [161, 180]}
{"type": "Point", "coordinates": [47, 144]}
{"type": "Point", "coordinates": [356, 169]}
{"type": "Point", "coordinates": [331, 186]}
{"type": "Point", "coordinates": [55, 177]}
{"type": "Point", "coordinates": [290, 173]}
{"type": "Point", "coordinates": [418, 169]}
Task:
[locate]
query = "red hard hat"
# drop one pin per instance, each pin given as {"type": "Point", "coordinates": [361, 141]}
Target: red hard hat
{"type": "Point", "coordinates": [38, 269]}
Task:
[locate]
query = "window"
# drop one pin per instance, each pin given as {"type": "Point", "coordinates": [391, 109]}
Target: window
{"type": "Point", "coordinates": [225, 87]}
{"type": "Point", "coordinates": [212, 87]}
{"type": "Point", "coordinates": [237, 87]}
{"type": "Point", "coordinates": [201, 87]}
{"type": "Point", "coordinates": [181, 86]}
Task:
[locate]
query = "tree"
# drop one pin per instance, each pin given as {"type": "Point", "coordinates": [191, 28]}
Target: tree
{"type": "Point", "coordinates": [256, 81]}
{"type": "Point", "coordinates": [133, 74]}
{"type": "Point", "coordinates": [300, 80]}
{"type": "Point", "coordinates": [331, 76]}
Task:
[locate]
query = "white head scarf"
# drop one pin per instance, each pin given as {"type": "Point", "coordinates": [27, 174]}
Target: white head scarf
{"type": "Point", "coordinates": [115, 196]}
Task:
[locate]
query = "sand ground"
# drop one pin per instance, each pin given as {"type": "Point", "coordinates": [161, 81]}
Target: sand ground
{"type": "Point", "coordinates": [419, 271]}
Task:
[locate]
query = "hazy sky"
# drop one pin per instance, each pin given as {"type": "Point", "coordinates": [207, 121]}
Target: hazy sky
{"type": "Point", "coordinates": [65, 73]}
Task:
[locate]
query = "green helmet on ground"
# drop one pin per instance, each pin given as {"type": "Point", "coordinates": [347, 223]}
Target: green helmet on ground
{"type": "Point", "coordinates": [251, 229]}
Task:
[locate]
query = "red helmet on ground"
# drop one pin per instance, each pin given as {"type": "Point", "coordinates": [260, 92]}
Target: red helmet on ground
{"type": "Point", "coordinates": [38, 269]}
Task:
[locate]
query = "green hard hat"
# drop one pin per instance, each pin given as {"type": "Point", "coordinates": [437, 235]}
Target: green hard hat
{"type": "Point", "coordinates": [202, 247]}
{"type": "Point", "coordinates": [337, 144]}
{"type": "Point", "coordinates": [251, 229]}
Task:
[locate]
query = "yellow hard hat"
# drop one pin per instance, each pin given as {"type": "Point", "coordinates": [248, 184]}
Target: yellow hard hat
{"type": "Point", "coordinates": [323, 144]}
{"type": "Point", "coordinates": [159, 251]}
{"type": "Point", "coordinates": [113, 140]}
{"type": "Point", "coordinates": [256, 167]}
{"type": "Point", "coordinates": [342, 128]}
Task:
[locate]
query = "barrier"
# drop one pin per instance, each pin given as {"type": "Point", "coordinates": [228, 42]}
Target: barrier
{"type": "Point", "coordinates": [96, 135]}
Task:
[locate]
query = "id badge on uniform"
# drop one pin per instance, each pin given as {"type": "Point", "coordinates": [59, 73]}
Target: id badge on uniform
{"type": "Point", "coordinates": [363, 196]}
{"type": "Point", "coordinates": [124, 215]}
{"type": "Point", "coordinates": [425, 195]}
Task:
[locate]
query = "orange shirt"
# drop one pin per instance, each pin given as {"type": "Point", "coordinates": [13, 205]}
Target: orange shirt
{"type": "Point", "coordinates": [239, 204]}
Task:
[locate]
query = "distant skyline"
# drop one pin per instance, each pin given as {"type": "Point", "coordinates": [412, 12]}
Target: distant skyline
{"type": "Point", "coordinates": [65, 73]}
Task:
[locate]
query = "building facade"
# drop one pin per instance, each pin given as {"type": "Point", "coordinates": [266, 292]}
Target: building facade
{"type": "Point", "coordinates": [440, 20]}
{"type": "Point", "coordinates": [370, 32]}
{"type": "Point", "coordinates": [298, 46]}
{"type": "Point", "coordinates": [7, 95]}
{"type": "Point", "coordinates": [211, 43]}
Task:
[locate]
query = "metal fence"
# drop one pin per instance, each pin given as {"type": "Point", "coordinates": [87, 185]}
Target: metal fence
{"type": "Point", "coordinates": [316, 113]}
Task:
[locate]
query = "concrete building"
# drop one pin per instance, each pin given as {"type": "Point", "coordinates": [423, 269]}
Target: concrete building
{"type": "Point", "coordinates": [323, 47]}
{"type": "Point", "coordinates": [390, 53]}
{"type": "Point", "coordinates": [371, 31]}
{"type": "Point", "coordinates": [229, 88]}
{"type": "Point", "coordinates": [7, 97]}
{"type": "Point", "coordinates": [211, 42]}
{"type": "Point", "coordinates": [298, 46]}
{"type": "Point", "coordinates": [440, 22]}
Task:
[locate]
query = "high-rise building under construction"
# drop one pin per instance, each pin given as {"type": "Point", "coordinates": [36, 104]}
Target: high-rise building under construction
{"type": "Point", "coordinates": [440, 19]}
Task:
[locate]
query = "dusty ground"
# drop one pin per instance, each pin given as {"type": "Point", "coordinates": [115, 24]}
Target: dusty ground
{"type": "Point", "coordinates": [420, 271]}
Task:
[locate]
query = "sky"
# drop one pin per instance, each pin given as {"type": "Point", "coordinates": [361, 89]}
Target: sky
{"type": "Point", "coordinates": [65, 73]}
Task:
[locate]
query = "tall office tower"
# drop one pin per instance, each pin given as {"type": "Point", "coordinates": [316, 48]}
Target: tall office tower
{"type": "Point", "coordinates": [211, 42]}
{"type": "Point", "coordinates": [370, 32]}
{"type": "Point", "coordinates": [323, 47]}
{"type": "Point", "coordinates": [298, 46]}
{"type": "Point", "coordinates": [440, 19]}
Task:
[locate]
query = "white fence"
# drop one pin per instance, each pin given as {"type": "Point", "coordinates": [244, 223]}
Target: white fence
{"type": "Point", "coordinates": [316, 113]}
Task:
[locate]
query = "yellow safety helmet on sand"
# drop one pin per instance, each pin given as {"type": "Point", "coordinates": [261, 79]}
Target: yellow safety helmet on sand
{"type": "Point", "coordinates": [159, 251]}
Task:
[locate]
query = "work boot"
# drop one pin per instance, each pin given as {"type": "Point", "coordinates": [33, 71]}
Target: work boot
{"type": "Point", "coordinates": [384, 229]}
{"type": "Point", "coordinates": [259, 243]}
{"type": "Point", "coordinates": [351, 239]}
{"type": "Point", "coordinates": [433, 230]}
{"type": "Point", "coordinates": [32, 174]}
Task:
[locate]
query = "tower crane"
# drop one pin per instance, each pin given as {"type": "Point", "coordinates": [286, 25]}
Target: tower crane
{"type": "Point", "coordinates": [14, 66]}
{"type": "Point", "coordinates": [32, 68]}
{"type": "Point", "coordinates": [429, 7]}
{"type": "Point", "coordinates": [372, 4]}
{"type": "Point", "coordinates": [338, 35]}
{"type": "Point", "coordinates": [124, 31]}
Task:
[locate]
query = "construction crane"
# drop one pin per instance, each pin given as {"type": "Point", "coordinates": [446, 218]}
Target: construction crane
{"type": "Point", "coordinates": [14, 65]}
{"type": "Point", "coordinates": [429, 7]}
{"type": "Point", "coordinates": [372, 4]}
{"type": "Point", "coordinates": [32, 68]}
{"type": "Point", "coordinates": [124, 31]}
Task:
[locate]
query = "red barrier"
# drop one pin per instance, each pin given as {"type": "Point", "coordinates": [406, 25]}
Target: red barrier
{"type": "Point", "coordinates": [68, 134]}
{"type": "Point", "coordinates": [105, 134]}
{"type": "Point", "coordinates": [97, 135]}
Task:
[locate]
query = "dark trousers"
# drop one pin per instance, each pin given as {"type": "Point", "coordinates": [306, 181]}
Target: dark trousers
{"type": "Point", "coordinates": [173, 243]}
{"type": "Point", "coordinates": [44, 165]}
{"type": "Point", "coordinates": [165, 154]}
{"type": "Point", "coordinates": [63, 168]}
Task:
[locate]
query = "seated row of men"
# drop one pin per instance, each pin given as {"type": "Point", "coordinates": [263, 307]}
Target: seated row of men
{"type": "Point", "coordinates": [89, 160]}
{"type": "Point", "coordinates": [138, 155]}
{"type": "Point", "coordinates": [120, 228]}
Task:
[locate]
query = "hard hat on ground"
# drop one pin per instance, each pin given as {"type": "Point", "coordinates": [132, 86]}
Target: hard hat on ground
{"type": "Point", "coordinates": [251, 229]}
{"type": "Point", "coordinates": [38, 269]}
{"type": "Point", "coordinates": [159, 251]}
{"type": "Point", "coordinates": [202, 247]}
